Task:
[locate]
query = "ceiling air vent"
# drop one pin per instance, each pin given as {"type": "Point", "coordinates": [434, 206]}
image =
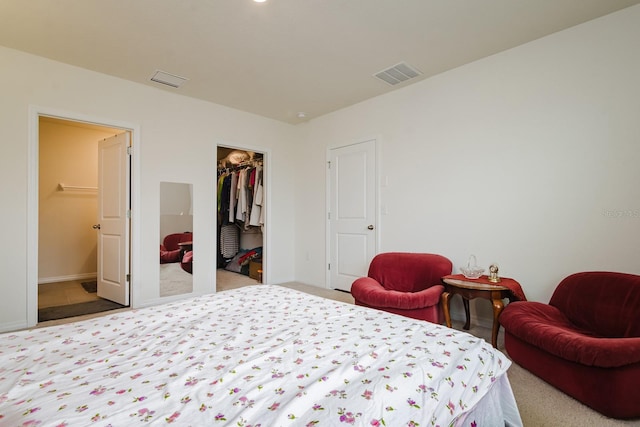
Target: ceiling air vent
{"type": "Point", "coordinates": [397, 74]}
{"type": "Point", "coordinates": [168, 79]}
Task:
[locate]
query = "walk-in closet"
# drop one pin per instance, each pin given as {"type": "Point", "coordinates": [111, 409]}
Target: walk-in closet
{"type": "Point", "coordinates": [240, 217]}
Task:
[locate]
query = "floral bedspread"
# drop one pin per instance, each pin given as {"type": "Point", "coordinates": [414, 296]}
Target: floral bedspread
{"type": "Point", "coordinates": [256, 356]}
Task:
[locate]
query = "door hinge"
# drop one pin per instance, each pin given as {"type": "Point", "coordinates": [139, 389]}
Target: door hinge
{"type": "Point", "coordinates": [329, 266]}
{"type": "Point", "coordinates": [329, 165]}
{"type": "Point", "coordinates": [129, 150]}
{"type": "Point", "coordinates": [329, 215]}
{"type": "Point", "coordinates": [128, 278]}
{"type": "Point", "coordinates": [128, 213]}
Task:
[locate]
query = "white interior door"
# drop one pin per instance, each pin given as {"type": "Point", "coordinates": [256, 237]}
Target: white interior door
{"type": "Point", "coordinates": [352, 212]}
{"type": "Point", "coordinates": [113, 223]}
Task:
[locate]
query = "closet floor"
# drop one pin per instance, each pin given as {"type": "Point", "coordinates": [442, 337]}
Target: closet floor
{"type": "Point", "coordinates": [63, 293]}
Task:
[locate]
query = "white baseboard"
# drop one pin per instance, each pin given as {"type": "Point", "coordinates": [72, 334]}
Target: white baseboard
{"type": "Point", "coordinates": [83, 276]}
{"type": "Point", "coordinates": [13, 326]}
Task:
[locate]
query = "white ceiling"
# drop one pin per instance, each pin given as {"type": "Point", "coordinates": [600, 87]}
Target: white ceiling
{"type": "Point", "coordinates": [282, 57]}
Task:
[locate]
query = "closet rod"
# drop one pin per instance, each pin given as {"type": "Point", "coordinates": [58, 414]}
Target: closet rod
{"type": "Point", "coordinates": [64, 187]}
{"type": "Point", "coordinates": [241, 165]}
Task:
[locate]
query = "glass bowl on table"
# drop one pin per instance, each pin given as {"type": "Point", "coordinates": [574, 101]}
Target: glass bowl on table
{"type": "Point", "coordinates": [472, 271]}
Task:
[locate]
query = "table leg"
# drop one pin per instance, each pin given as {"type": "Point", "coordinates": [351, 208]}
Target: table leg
{"type": "Point", "coordinates": [467, 313]}
{"type": "Point", "coordinates": [498, 306]}
{"type": "Point", "coordinates": [444, 301]}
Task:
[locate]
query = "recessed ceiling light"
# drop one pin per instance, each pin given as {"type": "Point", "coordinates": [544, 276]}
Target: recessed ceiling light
{"type": "Point", "coordinates": [301, 115]}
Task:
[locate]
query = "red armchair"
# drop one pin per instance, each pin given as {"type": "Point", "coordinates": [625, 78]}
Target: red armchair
{"type": "Point", "coordinates": [585, 342]}
{"type": "Point", "coordinates": [403, 283]}
{"type": "Point", "coordinates": [171, 250]}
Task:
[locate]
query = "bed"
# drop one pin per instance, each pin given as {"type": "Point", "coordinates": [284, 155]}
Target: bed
{"type": "Point", "coordinates": [262, 355]}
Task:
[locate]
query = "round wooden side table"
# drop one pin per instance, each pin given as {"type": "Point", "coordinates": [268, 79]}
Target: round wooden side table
{"type": "Point", "coordinates": [469, 289]}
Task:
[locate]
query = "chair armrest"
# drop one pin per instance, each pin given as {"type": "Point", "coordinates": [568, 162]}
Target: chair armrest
{"type": "Point", "coordinates": [167, 257]}
{"type": "Point", "coordinates": [547, 328]}
{"type": "Point", "coordinates": [372, 293]}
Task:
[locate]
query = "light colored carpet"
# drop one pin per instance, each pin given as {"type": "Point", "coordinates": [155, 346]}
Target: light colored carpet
{"type": "Point", "coordinates": [226, 280]}
{"type": "Point", "coordinates": [174, 280]}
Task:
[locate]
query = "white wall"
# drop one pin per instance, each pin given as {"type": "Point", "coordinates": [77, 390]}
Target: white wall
{"type": "Point", "coordinates": [528, 158]}
{"type": "Point", "coordinates": [176, 141]}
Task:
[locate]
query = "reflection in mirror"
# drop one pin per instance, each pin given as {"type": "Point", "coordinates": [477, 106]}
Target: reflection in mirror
{"type": "Point", "coordinates": [176, 238]}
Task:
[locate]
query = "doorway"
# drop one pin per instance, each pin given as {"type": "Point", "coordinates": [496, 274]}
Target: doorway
{"type": "Point", "coordinates": [241, 218]}
{"type": "Point", "coordinates": [71, 195]}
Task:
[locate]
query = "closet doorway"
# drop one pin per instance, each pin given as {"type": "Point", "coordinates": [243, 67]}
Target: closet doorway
{"type": "Point", "coordinates": [78, 265]}
{"type": "Point", "coordinates": [241, 217]}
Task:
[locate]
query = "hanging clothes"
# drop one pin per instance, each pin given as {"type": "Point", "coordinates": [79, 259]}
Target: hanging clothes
{"type": "Point", "coordinates": [264, 198]}
{"type": "Point", "coordinates": [256, 208]}
{"type": "Point", "coordinates": [229, 240]}
{"type": "Point", "coordinates": [233, 197]}
{"type": "Point", "coordinates": [223, 203]}
{"type": "Point", "coordinates": [241, 208]}
{"type": "Point", "coordinates": [219, 190]}
{"type": "Point", "coordinates": [251, 178]}
{"type": "Point", "coordinates": [240, 195]}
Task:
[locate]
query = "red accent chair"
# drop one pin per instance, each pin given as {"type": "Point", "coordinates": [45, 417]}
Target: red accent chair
{"type": "Point", "coordinates": [585, 342]}
{"type": "Point", "coordinates": [170, 250]}
{"type": "Point", "coordinates": [404, 283]}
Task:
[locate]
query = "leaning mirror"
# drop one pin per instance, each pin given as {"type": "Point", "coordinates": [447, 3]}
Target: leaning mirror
{"type": "Point", "coordinates": [176, 238]}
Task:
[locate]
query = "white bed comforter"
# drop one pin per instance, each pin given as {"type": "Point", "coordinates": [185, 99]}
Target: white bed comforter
{"type": "Point", "coordinates": [256, 356]}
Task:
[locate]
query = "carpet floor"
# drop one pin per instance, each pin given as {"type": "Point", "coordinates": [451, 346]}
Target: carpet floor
{"type": "Point", "coordinates": [72, 310]}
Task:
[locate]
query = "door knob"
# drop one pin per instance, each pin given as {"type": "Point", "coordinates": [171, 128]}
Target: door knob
{"type": "Point", "coordinates": [370, 227]}
{"type": "Point", "coordinates": [96, 227]}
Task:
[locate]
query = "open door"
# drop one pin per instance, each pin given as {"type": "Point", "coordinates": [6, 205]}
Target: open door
{"type": "Point", "coordinates": [113, 221]}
